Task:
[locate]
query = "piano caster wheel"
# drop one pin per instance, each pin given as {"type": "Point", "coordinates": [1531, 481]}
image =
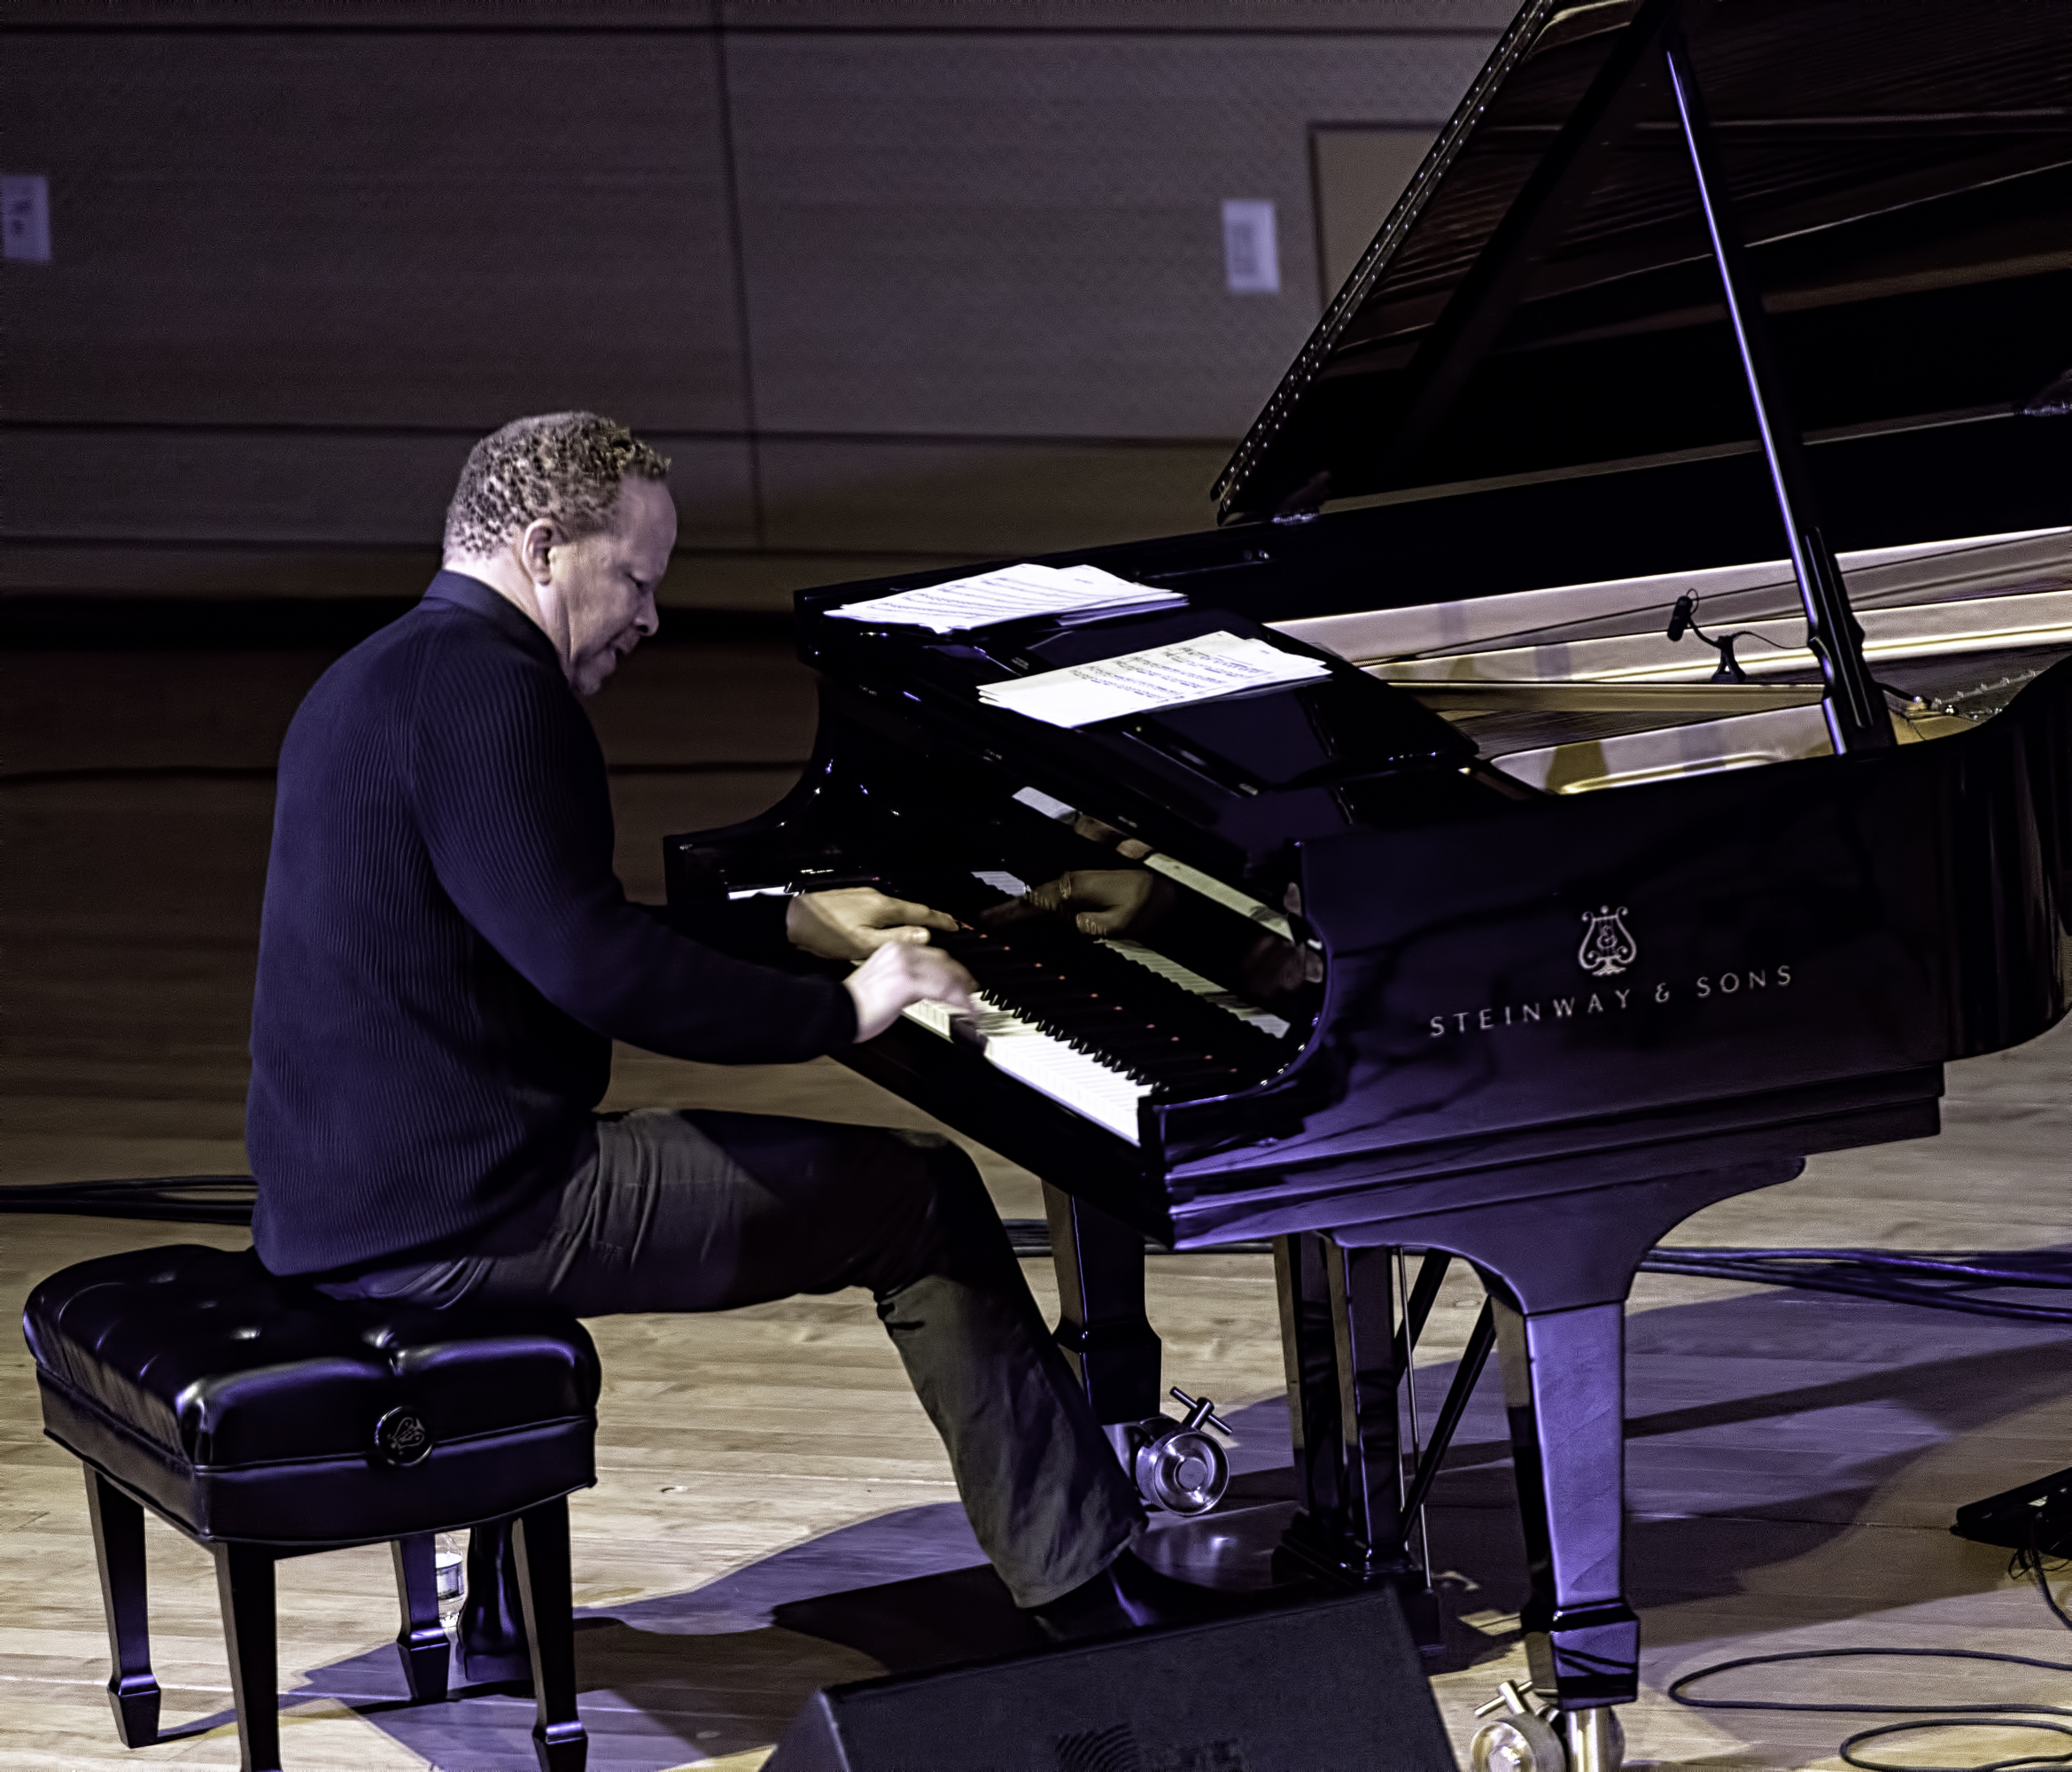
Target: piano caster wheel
{"type": "Point", "coordinates": [1176, 1465]}
{"type": "Point", "coordinates": [1534, 1737]}
{"type": "Point", "coordinates": [1596, 1740]}
{"type": "Point", "coordinates": [1517, 1743]}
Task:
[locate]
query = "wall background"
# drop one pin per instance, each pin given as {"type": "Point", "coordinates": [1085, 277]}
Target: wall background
{"type": "Point", "coordinates": [893, 281]}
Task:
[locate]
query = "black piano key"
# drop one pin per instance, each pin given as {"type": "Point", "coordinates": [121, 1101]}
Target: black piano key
{"type": "Point", "coordinates": [1069, 987]}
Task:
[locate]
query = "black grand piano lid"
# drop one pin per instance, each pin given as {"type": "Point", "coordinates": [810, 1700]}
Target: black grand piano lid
{"type": "Point", "coordinates": [1901, 171]}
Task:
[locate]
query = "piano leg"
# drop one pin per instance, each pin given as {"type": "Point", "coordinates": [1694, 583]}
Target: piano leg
{"type": "Point", "coordinates": [1557, 1279]}
{"type": "Point", "coordinates": [1345, 1370]}
{"type": "Point", "coordinates": [1563, 1375]}
{"type": "Point", "coordinates": [1102, 1326]}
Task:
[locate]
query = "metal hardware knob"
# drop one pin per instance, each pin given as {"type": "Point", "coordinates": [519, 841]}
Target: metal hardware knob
{"type": "Point", "coordinates": [1522, 1740]}
{"type": "Point", "coordinates": [1596, 1740]}
{"type": "Point", "coordinates": [1201, 1409]}
{"type": "Point", "coordinates": [1177, 1464]}
{"type": "Point", "coordinates": [401, 1439]}
{"type": "Point", "coordinates": [1517, 1743]}
{"type": "Point", "coordinates": [1537, 1737]}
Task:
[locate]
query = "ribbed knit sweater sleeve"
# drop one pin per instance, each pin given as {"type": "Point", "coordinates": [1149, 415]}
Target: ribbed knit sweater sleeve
{"type": "Point", "coordinates": [507, 783]}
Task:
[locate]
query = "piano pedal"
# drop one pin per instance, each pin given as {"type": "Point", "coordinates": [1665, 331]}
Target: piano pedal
{"type": "Point", "coordinates": [1178, 1466]}
{"type": "Point", "coordinates": [1532, 1736]}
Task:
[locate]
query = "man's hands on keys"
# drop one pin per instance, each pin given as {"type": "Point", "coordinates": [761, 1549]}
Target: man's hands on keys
{"type": "Point", "coordinates": [903, 972]}
{"type": "Point", "coordinates": [890, 936]}
{"type": "Point", "coordinates": [853, 923]}
{"type": "Point", "coordinates": [1100, 901]}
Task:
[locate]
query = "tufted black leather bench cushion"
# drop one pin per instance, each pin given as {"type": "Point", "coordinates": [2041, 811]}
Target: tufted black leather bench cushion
{"type": "Point", "coordinates": [252, 1409]}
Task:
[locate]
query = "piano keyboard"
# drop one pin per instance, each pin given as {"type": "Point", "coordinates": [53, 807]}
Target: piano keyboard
{"type": "Point", "coordinates": [1207, 989]}
{"type": "Point", "coordinates": [1058, 1014]}
{"type": "Point", "coordinates": [1072, 1078]}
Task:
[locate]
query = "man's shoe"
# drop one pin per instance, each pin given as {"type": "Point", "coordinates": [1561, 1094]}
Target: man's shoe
{"type": "Point", "coordinates": [1127, 1595]}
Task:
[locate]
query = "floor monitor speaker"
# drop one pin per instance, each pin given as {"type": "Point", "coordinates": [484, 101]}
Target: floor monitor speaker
{"type": "Point", "coordinates": [1331, 1686]}
{"type": "Point", "coordinates": [2036, 1517]}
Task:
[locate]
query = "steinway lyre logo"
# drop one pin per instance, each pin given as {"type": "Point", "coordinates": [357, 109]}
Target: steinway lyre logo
{"type": "Point", "coordinates": [1609, 946]}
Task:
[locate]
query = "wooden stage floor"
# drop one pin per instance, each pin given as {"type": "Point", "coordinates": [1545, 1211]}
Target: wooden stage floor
{"type": "Point", "coordinates": [1793, 1459]}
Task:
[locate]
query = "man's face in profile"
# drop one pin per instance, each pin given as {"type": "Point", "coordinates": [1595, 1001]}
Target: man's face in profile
{"type": "Point", "coordinates": [607, 582]}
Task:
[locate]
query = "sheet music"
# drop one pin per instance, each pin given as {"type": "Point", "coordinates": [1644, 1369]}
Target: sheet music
{"type": "Point", "coordinates": [1174, 676]}
{"type": "Point", "coordinates": [1008, 595]}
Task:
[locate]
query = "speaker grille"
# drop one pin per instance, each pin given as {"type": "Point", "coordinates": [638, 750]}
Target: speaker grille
{"type": "Point", "coordinates": [1100, 1749]}
{"type": "Point", "coordinates": [1237, 1695]}
{"type": "Point", "coordinates": [1117, 1750]}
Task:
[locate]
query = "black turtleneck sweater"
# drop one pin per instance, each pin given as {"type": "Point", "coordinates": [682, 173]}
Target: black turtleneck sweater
{"type": "Point", "coordinates": [445, 955]}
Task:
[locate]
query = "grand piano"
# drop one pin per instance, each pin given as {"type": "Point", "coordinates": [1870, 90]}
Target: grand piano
{"type": "Point", "coordinates": [1678, 495]}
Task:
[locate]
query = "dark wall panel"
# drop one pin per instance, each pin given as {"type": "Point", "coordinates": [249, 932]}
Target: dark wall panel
{"type": "Point", "coordinates": [897, 282]}
{"type": "Point", "coordinates": [1250, 17]}
{"type": "Point", "coordinates": [979, 499]}
{"type": "Point", "coordinates": [360, 488]}
{"type": "Point", "coordinates": [1022, 235]}
{"type": "Point", "coordinates": [373, 227]}
{"type": "Point", "coordinates": [475, 15]}
{"type": "Point", "coordinates": [1246, 16]}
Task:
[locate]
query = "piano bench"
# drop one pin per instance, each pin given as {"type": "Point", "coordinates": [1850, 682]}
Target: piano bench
{"type": "Point", "coordinates": [265, 1419]}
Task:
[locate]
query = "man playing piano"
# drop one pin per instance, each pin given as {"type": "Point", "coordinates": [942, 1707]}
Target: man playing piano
{"type": "Point", "coordinates": [446, 956]}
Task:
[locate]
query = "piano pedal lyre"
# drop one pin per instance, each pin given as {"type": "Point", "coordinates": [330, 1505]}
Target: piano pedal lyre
{"type": "Point", "coordinates": [1177, 1464]}
{"type": "Point", "coordinates": [1532, 1736]}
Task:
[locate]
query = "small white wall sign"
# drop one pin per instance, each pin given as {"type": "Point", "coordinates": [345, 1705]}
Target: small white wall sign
{"type": "Point", "coordinates": [1252, 253]}
{"type": "Point", "coordinates": [25, 217]}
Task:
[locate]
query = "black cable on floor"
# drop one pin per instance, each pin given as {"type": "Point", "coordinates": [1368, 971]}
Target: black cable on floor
{"type": "Point", "coordinates": [1939, 1281]}
{"type": "Point", "coordinates": [2015, 1715]}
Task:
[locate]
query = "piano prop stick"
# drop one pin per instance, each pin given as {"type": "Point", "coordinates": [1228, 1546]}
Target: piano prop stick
{"type": "Point", "coordinates": [1855, 707]}
{"type": "Point", "coordinates": [1505, 934]}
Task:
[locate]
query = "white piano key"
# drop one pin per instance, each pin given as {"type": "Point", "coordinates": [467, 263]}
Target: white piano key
{"type": "Point", "coordinates": [1066, 1074]}
{"type": "Point", "coordinates": [1190, 981]}
{"type": "Point", "coordinates": [936, 1017]}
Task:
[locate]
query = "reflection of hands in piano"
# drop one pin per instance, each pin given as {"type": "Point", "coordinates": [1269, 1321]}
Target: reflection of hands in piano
{"type": "Point", "coordinates": [1100, 901]}
{"type": "Point", "coordinates": [902, 972]}
{"type": "Point", "coordinates": [1275, 971]}
{"type": "Point", "coordinates": [1085, 825]}
{"type": "Point", "coordinates": [852, 922]}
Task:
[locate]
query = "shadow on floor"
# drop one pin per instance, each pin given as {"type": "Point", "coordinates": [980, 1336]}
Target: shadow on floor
{"type": "Point", "coordinates": [1759, 1429]}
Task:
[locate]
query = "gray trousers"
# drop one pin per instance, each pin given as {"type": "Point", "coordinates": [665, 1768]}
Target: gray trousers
{"type": "Point", "coordinates": [705, 1211]}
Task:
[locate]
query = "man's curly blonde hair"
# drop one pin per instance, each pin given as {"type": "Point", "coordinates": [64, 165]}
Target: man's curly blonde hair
{"type": "Point", "coordinates": [564, 466]}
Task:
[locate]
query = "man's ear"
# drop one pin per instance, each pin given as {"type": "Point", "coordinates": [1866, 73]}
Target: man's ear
{"type": "Point", "coordinates": [537, 540]}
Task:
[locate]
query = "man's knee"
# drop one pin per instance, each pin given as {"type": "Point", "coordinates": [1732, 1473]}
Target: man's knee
{"type": "Point", "coordinates": [937, 1211]}
{"type": "Point", "coordinates": [858, 1205]}
{"type": "Point", "coordinates": [945, 1164]}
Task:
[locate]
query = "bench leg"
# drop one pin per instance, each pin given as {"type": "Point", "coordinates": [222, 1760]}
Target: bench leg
{"type": "Point", "coordinates": [244, 1581]}
{"type": "Point", "coordinates": [492, 1616]}
{"type": "Point", "coordinates": [421, 1642]}
{"type": "Point", "coordinates": [133, 1693]}
{"type": "Point", "coordinates": [542, 1544]}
